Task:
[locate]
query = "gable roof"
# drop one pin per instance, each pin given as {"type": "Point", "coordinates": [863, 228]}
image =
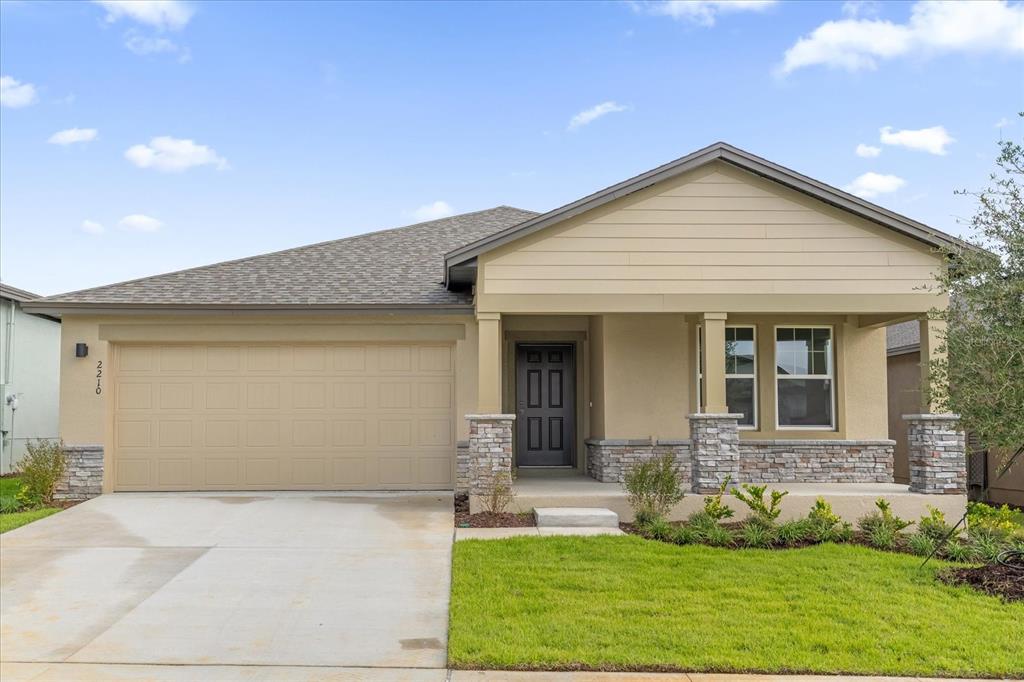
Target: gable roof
{"type": "Point", "coordinates": [397, 268]}
{"type": "Point", "coordinates": [720, 151]}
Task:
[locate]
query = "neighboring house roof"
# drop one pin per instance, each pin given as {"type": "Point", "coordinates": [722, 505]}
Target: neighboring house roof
{"type": "Point", "coordinates": [16, 294]}
{"type": "Point", "coordinates": [400, 267]}
{"type": "Point", "coordinates": [720, 151]}
{"type": "Point", "coordinates": [904, 337]}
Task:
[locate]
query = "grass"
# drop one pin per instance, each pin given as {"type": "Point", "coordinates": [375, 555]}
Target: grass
{"type": "Point", "coordinates": [625, 603]}
{"type": "Point", "coordinates": [9, 487]}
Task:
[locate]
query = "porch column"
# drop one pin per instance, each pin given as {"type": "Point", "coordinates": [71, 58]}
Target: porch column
{"type": "Point", "coordinates": [489, 370]}
{"type": "Point", "coordinates": [932, 334]}
{"type": "Point", "coordinates": [936, 450]}
{"type": "Point", "coordinates": [713, 367]}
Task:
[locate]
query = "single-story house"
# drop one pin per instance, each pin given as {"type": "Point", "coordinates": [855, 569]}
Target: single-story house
{"type": "Point", "coordinates": [29, 375]}
{"type": "Point", "coordinates": [720, 307]}
{"type": "Point", "coordinates": [984, 479]}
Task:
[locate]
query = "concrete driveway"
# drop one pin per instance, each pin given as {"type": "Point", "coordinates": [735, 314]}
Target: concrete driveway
{"type": "Point", "coordinates": [251, 579]}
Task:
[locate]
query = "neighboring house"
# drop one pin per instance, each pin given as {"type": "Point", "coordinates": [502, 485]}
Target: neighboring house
{"type": "Point", "coordinates": [29, 375]}
{"type": "Point", "coordinates": [720, 308]}
{"type": "Point", "coordinates": [904, 362]}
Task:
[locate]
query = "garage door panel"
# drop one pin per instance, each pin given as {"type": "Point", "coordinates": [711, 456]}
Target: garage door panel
{"type": "Point", "coordinates": [271, 416]}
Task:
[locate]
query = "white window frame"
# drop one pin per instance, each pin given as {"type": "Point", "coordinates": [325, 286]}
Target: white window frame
{"type": "Point", "coordinates": [831, 376]}
{"type": "Point", "coordinates": [757, 411]}
{"type": "Point", "coordinates": [700, 373]}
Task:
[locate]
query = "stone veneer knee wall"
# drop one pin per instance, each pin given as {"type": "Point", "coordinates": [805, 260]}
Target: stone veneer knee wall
{"type": "Point", "coordinates": [84, 476]}
{"type": "Point", "coordinates": [763, 461]}
{"type": "Point", "coordinates": [608, 460]}
{"type": "Point", "coordinates": [816, 461]}
{"type": "Point", "coordinates": [462, 467]}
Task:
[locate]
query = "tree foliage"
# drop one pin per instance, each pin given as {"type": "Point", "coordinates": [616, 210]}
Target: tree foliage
{"type": "Point", "coordinates": [981, 376]}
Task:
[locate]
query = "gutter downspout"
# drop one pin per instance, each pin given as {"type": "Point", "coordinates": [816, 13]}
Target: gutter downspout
{"type": "Point", "coordinates": [7, 359]}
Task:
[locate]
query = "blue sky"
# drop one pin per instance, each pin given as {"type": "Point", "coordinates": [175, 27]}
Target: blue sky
{"type": "Point", "coordinates": [143, 138]}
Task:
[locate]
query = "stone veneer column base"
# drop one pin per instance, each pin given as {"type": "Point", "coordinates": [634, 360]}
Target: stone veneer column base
{"type": "Point", "coordinates": [937, 454]}
{"type": "Point", "coordinates": [462, 467]}
{"type": "Point", "coordinates": [84, 476]}
{"type": "Point", "coordinates": [715, 455]}
{"type": "Point", "coordinates": [608, 460]}
{"type": "Point", "coordinates": [489, 453]}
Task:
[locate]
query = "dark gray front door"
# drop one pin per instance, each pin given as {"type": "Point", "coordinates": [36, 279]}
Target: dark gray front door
{"type": "Point", "coordinates": [545, 405]}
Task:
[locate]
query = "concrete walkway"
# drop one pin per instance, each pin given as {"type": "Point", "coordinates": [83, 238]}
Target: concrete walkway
{"type": "Point", "coordinates": [254, 579]}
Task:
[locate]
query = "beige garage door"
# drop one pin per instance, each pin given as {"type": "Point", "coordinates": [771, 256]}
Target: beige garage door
{"type": "Point", "coordinates": [283, 417]}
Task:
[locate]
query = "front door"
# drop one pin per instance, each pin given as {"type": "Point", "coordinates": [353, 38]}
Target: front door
{"type": "Point", "coordinates": [545, 405]}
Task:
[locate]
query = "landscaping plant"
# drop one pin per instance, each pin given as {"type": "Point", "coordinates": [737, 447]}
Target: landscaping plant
{"type": "Point", "coordinates": [654, 487]}
{"type": "Point", "coordinates": [758, 534]}
{"type": "Point", "coordinates": [795, 532]}
{"type": "Point", "coordinates": [826, 526]}
{"type": "Point", "coordinates": [882, 528]}
{"type": "Point", "coordinates": [499, 493]}
{"type": "Point", "coordinates": [765, 513]}
{"type": "Point", "coordinates": [40, 470]}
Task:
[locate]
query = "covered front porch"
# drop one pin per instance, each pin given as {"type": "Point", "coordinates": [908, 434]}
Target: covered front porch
{"type": "Point", "coordinates": [793, 400]}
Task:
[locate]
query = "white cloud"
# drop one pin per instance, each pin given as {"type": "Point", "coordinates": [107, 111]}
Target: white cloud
{"type": "Point", "coordinates": [866, 151]}
{"type": "Point", "coordinates": [934, 27]}
{"type": "Point", "coordinates": [160, 14]}
{"type": "Point", "coordinates": [1003, 123]}
{"type": "Point", "coordinates": [593, 113]}
{"type": "Point", "coordinates": [434, 211]}
{"type": "Point", "coordinates": [932, 140]}
{"type": "Point", "coordinates": [146, 45]}
{"type": "Point", "coordinates": [92, 227]}
{"type": "Point", "coordinates": [137, 222]}
{"type": "Point", "coordinates": [73, 135]}
{"type": "Point", "coordinates": [872, 184]}
{"type": "Point", "coordinates": [860, 8]}
{"type": "Point", "coordinates": [173, 155]}
{"type": "Point", "coordinates": [15, 94]}
{"type": "Point", "coordinates": [702, 12]}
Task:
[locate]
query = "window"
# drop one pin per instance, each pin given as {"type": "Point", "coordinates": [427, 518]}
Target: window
{"type": "Point", "coordinates": [741, 373]}
{"type": "Point", "coordinates": [803, 377]}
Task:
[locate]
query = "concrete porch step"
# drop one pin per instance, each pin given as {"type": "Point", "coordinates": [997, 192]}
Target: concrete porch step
{"type": "Point", "coordinates": [576, 517]}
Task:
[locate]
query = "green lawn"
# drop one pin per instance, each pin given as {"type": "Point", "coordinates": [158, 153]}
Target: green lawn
{"type": "Point", "coordinates": [9, 487]}
{"type": "Point", "coordinates": [623, 603]}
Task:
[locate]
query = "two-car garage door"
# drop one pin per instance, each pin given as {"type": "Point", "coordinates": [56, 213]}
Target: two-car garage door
{"type": "Point", "coordinates": [283, 417]}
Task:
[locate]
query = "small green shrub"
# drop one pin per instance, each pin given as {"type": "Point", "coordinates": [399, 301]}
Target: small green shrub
{"type": "Point", "coordinates": [922, 544]}
{"type": "Point", "coordinates": [654, 487]}
{"type": "Point", "coordinates": [826, 525]}
{"type": "Point", "coordinates": [821, 513]}
{"type": "Point", "coordinates": [659, 529]}
{"type": "Point", "coordinates": [685, 535]}
{"type": "Point", "coordinates": [795, 532]}
{"type": "Point", "coordinates": [757, 534]}
{"type": "Point", "coordinates": [40, 470]}
{"type": "Point", "coordinates": [883, 518]}
{"type": "Point", "coordinates": [9, 504]}
{"type": "Point", "coordinates": [765, 512]}
{"type": "Point", "coordinates": [882, 537]}
{"type": "Point", "coordinates": [717, 536]}
{"type": "Point", "coordinates": [986, 544]}
{"type": "Point", "coordinates": [934, 525]}
{"type": "Point", "coordinates": [714, 507]}
{"type": "Point", "coordinates": [958, 551]}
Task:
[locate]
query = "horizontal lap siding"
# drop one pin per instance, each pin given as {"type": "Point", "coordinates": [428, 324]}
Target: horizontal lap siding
{"type": "Point", "coordinates": [720, 231]}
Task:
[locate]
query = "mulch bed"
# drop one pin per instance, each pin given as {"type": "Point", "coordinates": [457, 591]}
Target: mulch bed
{"type": "Point", "coordinates": [463, 519]}
{"type": "Point", "coordinates": [995, 579]}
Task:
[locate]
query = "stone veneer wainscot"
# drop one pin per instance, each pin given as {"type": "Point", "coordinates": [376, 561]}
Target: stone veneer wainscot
{"type": "Point", "coordinates": [84, 476]}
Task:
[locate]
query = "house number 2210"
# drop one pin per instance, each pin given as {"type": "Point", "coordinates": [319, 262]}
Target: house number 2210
{"type": "Point", "coordinates": [99, 377]}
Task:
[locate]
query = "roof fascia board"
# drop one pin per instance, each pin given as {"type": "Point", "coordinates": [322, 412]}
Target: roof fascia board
{"type": "Point", "coordinates": [57, 308]}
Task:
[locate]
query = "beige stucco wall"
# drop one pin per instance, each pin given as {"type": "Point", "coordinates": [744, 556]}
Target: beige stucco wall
{"type": "Point", "coordinates": [714, 239]}
{"type": "Point", "coordinates": [84, 414]}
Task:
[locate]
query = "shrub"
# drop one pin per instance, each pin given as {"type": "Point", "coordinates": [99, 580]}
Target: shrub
{"type": "Point", "coordinates": [882, 536]}
{"type": "Point", "coordinates": [986, 545]}
{"type": "Point", "coordinates": [826, 525]}
{"type": "Point", "coordinates": [757, 534]}
{"type": "Point", "coordinates": [654, 487]}
{"type": "Point", "coordinates": [40, 470]}
{"type": "Point", "coordinates": [794, 532]}
{"type": "Point", "coordinates": [922, 544]}
{"type": "Point", "coordinates": [956, 550]}
{"type": "Point", "coordinates": [9, 504]}
{"type": "Point", "coordinates": [1002, 520]}
{"type": "Point", "coordinates": [713, 506]}
{"type": "Point", "coordinates": [753, 496]}
{"type": "Point", "coordinates": [659, 529]}
{"type": "Point", "coordinates": [717, 536]}
{"type": "Point", "coordinates": [883, 518]}
{"type": "Point", "coordinates": [822, 513]}
{"type": "Point", "coordinates": [934, 525]}
{"type": "Point", "coordinates": [684, 535]}
{"type": "Point", "coordinates": [498, 494]}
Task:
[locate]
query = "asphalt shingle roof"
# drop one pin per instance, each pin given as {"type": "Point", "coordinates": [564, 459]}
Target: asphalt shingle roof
{"type": "Point", "coordinates": [903, 336]}
{"type": "Point", "coordinates": [401, 266]}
